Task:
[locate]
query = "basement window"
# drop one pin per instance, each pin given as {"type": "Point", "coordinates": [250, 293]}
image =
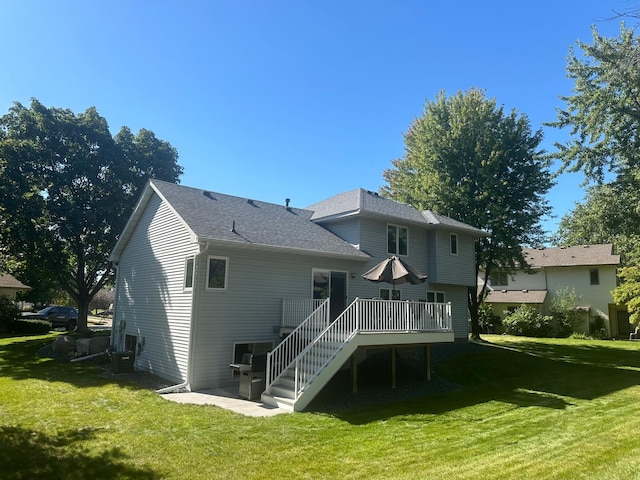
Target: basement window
{"type": "Point", "coordinates": [239, 349]}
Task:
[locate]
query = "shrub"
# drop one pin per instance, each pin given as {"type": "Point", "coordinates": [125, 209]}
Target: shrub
{"type": "Point", "coordinates": [487, 319]}
{"type": "Point", "coordinates": [29, 327]}
{"type": "Point", "coordinates": [526, 321]}
{"type": "Point", "coordinates": [564, 311]}
{"type": "Point", "coordinates": [597, 328]}
{"type": "Point", "coordinates": [8, 312]}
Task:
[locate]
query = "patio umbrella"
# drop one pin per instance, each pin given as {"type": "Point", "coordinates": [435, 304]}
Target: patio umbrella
{"type": "Point", "coordinates": [394, 270]}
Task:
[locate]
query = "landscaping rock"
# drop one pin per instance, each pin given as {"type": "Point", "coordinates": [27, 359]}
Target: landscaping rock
{"type": "Point", "coordinates": [83, 346]}
{"type": "Point", "coordinates": [64, 344]}
{"type": "Point", "coordinates": [99, 344]}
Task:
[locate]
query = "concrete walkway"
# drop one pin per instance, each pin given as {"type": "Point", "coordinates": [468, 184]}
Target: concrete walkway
{"type": "Point", "coordinates": [227, 400]}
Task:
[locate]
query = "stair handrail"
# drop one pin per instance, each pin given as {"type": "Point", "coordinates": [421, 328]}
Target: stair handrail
{"type": "Point", "coordinates": [283, 355]}
{"type": "Point", "coordinates": [319, 353]}
{"type": "Point", "coordinates": [338, 333]}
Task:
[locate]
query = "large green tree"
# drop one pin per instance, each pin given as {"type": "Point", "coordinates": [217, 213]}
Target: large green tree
{"type": "Point", "coordinates": [603, 115]}
{"type": "Point", "coordinates": [609, 214]}
{"type": "Point", "coordinates": [67, 188]}
{"type": "Point", "coordinates": [468, 159]}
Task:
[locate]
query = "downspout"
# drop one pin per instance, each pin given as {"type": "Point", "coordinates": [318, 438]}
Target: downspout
{"type": "Point", "coordinates": [203, 247]}
{"type": "Point", "coordinates": [112, 342]}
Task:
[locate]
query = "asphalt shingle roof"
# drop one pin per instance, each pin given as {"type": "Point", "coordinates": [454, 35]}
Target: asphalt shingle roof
{"type": "Point", "coordinates": [516, 296]}
{"type": "Point", "coordinates": [581, 255]}
{"type": "Point", "coordinates": [365, 202]}
{"type": "Point", "coordinates": [216, 216]}
{"type": "Point", "coordinates": [9, 281]}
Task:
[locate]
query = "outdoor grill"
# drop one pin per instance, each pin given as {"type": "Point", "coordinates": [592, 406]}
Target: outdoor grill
{"type": "Point", "coordinates": [252, 370]}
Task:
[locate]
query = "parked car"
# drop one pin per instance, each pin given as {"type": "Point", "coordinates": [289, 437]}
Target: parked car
{"type": "Point", "coordinates": [58, 316]}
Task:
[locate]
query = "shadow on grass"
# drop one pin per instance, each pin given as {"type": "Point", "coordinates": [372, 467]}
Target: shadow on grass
{"type": "Point", "coordinates": [523, 374]}
{"type": "Point", "coordinates": [19, 360]}
{"type": "Point", "coordinates": [29, 454]}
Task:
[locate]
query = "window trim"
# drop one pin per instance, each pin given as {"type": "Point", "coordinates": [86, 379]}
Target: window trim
{"type": "Point", "coordinates": [226, 272]}
{"type": "Point", "coordinates": [186, 279]}
{"type": "Point", "coordinates": [499, 273]}
{"type": "Point", "coordinates": [453, 243]}
{"type": "Point", "coordinates": [390, 292]}
{"type": "Point", "coordinates": [435, 296]}
{"type": "Point", "coordinates": [397, 236]}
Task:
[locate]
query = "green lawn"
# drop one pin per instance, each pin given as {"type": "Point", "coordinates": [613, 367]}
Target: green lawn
{"type": "Point", "coordinates": [528, 408]}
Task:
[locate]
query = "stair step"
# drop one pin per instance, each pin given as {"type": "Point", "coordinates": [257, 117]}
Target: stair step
{"type": "Point", "coordinates": [280, 402]}
{"type": "Point", "coordinates": [280, 390]}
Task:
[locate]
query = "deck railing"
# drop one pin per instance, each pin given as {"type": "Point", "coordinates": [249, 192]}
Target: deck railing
{"type": "Point", "coordinates": [279, 359]}
{"type": "Point", "coordinates": [296, 310]}
{"type": "Point", "coordinates": [403, 316]}
{"type": "Point", "coordinates": [362, 316]}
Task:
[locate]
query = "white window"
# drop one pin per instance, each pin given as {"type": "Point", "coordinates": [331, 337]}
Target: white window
{"type": "Point", "coordinates": [435, 297]}
{"type": "Point", "coordinates": [499, 278]}
{"type": "Point", "coordinates": [388, 294]}
{"type": "Point", "coordinates": [217, 273]}
{"type": "Point", "coordinates": [188, 273]}
{"type": "Point", "coordinates": [397, 240]}
{"type": "Point", "coordinates": [453, 242]}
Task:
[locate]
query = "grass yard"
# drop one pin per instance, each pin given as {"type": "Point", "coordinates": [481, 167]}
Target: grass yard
{"type": "Point", "coordinates": [528, 408]}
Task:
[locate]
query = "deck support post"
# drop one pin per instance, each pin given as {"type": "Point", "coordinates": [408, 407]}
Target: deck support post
{"type": "Point", "coordinates": [354, 373]}
{"type": "Point", "coordinates": [393, 367]}
{"type": "Point", "coordinates": [427, 361]}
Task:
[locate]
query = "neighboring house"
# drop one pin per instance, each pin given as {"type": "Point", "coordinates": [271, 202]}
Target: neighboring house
{"type": "Point", "coordinates": [204, 277]}
{"type": "Point", "coordinates": [589, 270]}
{"type": "Point", "coordinates": [9, 286]}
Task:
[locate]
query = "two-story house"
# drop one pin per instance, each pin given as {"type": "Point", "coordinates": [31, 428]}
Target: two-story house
{"type": "Point", "coordinates": [204, 277]}
{"type": "Point", "coordinates": [589, 270]}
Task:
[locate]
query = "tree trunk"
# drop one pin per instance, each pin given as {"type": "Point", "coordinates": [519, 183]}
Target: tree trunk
{"type": "Point", "coordinates": [474, 304]}
{"type": "Point", "coordinates": [83, 313]}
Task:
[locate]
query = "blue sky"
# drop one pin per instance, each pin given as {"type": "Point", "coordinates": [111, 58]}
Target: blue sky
{"type": "Point", "coordinates": [271, 99]}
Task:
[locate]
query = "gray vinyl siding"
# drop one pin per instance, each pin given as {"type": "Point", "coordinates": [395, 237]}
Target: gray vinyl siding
{"type": "Point", "coordinates": [428, 253]}
{"type": "Point", "coordinates": [347, 229]}
{"type": "Point", "coordinates": [373, 234]}
{"type": "Point", "coordinates": [447, 268]}
{"type": "Point", "coordinates": [151, 300]}
{"type": "Point", "coordinates": [457, 296]}
{"type": "Point", "coordinates": [250, 309]}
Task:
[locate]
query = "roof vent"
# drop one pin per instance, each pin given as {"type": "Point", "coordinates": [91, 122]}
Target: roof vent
{"type": "Point", "coordinates": [286, 202]}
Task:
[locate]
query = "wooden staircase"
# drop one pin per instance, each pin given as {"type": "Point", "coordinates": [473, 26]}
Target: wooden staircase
{"type": "Point", "coordinates": [302, 364]}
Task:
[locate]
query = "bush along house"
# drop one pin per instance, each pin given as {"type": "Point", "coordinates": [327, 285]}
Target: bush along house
{"type": "Point", "coordinates": [204, 278]}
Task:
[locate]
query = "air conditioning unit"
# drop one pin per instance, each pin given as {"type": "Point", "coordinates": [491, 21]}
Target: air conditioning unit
{"type": "Point", "coordinates": [122, 362]}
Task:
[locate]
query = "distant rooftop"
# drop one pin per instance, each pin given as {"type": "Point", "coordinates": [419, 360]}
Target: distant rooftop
{"type": "Point", "coordinates": [571, 256]}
